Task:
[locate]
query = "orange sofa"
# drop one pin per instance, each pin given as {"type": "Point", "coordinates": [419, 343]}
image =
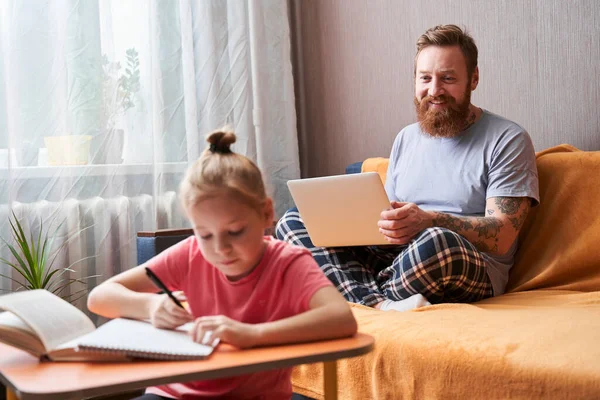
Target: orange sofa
{"type": "Point", "coordinates": [539, 340]}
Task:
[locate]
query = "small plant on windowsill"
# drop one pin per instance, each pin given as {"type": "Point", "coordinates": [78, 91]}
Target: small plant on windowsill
{"type": "Point", "coordinates": [34, 261]}
{"type": "Point", "coordinates": [118, 96]}
{"type": "Point", "coordinates": [118, 87]}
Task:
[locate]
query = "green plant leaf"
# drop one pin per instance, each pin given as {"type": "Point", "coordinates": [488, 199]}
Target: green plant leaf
{"type": "Point", "coordinates": [75, 294]}
{"type": "Point", "coordinates": [48, 277]}
{"type": "Point", "coordinates": [36, 268]}
{"type": "Point", "coordinates": [57, 252]}
{"type": "Point", "coordinates": [24, 247]}
{"type": "Point", "coordinates": [8, 277]}
{"type": "Point", "coordinates": [57, 279]}
{"type": "Point", "coordinates": [45, 251]}
{"type": "Point", "coordinates": [68, 269]}
{"type": "Point", "coordinates": [33, 258]}
{"type": "Point", "coordinates": [23, 270]}
{"type": "Point", "coordinates": [38, 256]}
{"type": "Point", "coordinates": [71, 281]}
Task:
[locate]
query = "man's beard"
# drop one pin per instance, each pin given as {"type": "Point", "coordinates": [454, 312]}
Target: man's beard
{"type": "Point", "coordinates": [447, 122]}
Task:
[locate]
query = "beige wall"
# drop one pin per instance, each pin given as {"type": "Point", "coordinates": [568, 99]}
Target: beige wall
{"type": "Point", "coordinates": [539, 64]}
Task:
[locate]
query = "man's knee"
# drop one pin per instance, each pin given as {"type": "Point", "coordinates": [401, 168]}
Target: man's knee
{"type": "Point", "coordinates": [290, 214]}
{"type": "Point", "coordinates": [291, 210]}
{"type": "Point", "coordinates": [289, 222]}
{"type": "Point", "coordinates": [440, 238]}
{"type": "Point", "coordinates": [431, 244]}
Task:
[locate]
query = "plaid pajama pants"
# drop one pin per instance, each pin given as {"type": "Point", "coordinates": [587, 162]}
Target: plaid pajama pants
{"type": "Point", "coordinates": [438, 263]}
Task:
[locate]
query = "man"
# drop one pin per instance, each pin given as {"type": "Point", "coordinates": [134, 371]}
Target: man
{"type": "Point", "coordinates": [461, 182]}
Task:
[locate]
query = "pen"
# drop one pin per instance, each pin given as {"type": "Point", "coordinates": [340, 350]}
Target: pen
{"type": "Point", "coordinates": [162, 286]}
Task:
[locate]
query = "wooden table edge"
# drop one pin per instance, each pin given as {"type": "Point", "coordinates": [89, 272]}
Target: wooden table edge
{"type": "Point", "coordinates": [203, 375]}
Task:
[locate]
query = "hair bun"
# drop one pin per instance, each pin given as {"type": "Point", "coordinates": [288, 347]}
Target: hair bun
{"type": "Point", "coordinates": [221, 140]}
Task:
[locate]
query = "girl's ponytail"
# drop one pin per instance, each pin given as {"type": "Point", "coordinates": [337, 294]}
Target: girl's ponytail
{"type": "Point", "coordinates": [219, 169]}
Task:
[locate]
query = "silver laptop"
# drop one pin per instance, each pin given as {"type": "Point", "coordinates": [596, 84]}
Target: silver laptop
{"type": "Point", "coordinates": [341, 210]}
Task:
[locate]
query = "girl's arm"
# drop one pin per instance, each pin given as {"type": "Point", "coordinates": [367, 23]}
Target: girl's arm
{"type": "Point", "coordinates": [329, 317]}
{"type": "Point", "coordinates": [132, 294]}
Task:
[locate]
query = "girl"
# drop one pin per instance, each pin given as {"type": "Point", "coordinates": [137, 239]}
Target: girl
{"type": "Point", "coordinates": [240, 286]}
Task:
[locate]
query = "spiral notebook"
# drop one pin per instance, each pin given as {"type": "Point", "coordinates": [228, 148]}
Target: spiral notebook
{"type": "Point", "coordinates": [139, 339]}
{"type": "Point", "coordinates": [50, 328]}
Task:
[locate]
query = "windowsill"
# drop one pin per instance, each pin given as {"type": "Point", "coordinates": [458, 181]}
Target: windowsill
{"type": "Point", "coordinates": [91, 170]}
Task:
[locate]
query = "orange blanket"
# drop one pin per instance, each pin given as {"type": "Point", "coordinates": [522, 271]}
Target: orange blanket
{"type": "Point", "coordinates": [536, 342]}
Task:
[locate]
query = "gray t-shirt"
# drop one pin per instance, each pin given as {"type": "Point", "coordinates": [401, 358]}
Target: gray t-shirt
{"type": "Point", "coordinates": [493, 158]}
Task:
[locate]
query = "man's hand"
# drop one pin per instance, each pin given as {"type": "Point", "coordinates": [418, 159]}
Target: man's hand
{"type": "Point", "coordinates": [493, 233]}
{"type": "Point", "coordinates": [236, 333]}
{"type": "Point", "coordinates": [403, 222]}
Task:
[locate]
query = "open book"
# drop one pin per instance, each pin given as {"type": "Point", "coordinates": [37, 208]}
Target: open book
{"type": "Point", "coordinates": [48, 327]}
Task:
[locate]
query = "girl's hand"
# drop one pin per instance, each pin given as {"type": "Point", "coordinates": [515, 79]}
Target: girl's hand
{"type": "Point", "coordinates": [228, 330]}
{"type": "Point", "coordinates": [165, 314]}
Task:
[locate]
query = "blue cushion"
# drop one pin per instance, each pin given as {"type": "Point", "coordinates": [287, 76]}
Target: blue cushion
{"type": "Point", "coordinates": [149, 246]}
{"type": "Point", "coordinates": [354, 168]}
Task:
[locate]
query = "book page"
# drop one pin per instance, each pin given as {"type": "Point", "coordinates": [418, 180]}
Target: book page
{"type": "Point", "coordinates": [15, 332]}
{"type": "Point", "coordinates": [53, 319]}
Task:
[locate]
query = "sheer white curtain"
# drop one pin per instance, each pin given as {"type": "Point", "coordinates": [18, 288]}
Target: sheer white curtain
{"type": "Point", "coordinates": [103, 104]}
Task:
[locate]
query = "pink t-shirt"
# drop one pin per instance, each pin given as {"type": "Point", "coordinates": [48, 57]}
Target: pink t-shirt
{"type": "Point", "coordinates": [279, 287]}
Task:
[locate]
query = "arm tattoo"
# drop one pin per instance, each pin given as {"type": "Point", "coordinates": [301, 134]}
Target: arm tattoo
{"type": "Point", "coordinates": [488, 227]}
{"type": "Point", "coordinates": [485, 232]}
{"type": "Point", "coordinates": [518, 220]}
{"type": "Point", "coordinates": [485, 227]}
{"type": "Point", "coordinates": [508, 205]}
{"type": "Point", "coordinates": [453, 223]}
{"type": "Point", "coordinates": [511, 206]}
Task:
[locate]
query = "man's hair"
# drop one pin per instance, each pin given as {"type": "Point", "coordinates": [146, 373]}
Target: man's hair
{"type": "Point", "coordinates": [450, 35]}
{"type": "Point", "coordinates": [221, 170]}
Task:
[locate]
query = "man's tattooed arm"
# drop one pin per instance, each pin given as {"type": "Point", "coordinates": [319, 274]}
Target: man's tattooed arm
{"type": "Point", "coordinates": [496, 231]}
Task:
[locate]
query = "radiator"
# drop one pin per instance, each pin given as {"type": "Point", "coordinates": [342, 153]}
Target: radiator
{"type": "Point", "coordinates": [95, 236]}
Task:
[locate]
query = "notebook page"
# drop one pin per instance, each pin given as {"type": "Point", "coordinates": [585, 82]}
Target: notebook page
{"type": "Point", "coordinates": [53, 319]}
{"type": "Point", "coordinates": [141, 339]}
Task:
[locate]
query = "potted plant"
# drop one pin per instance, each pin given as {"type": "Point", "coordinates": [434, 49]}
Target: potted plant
{"type": "Point", "coordinates": [117, 91]}
{"type": "Point", "coordinates": [118, 96]}
{"type": "Point", "coordinates": [34, 262]}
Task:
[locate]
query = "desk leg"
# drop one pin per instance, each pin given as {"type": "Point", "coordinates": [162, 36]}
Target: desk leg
{"type": "Point", "coordinates": [10, 395]}
{"type": "Point", "coordinates": [330, 380]}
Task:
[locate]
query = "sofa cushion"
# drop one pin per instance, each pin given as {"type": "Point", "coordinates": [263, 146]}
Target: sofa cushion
{"type": "Point", "coordinates": [376, 164]}
{"type": "Point", "coordinates": [560, 241]}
